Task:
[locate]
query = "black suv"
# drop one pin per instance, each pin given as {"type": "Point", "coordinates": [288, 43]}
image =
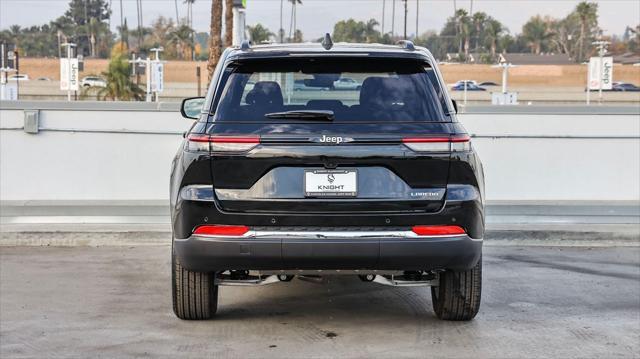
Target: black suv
{"type": "Point", "coordinates": [379, 181]}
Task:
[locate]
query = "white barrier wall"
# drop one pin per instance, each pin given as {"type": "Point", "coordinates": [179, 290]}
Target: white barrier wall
{"type": "Point", "coordinates": [100, 151]}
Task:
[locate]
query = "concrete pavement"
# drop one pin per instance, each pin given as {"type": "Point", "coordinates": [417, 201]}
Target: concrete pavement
{"type": "Point", "coordinates": [556, 302]}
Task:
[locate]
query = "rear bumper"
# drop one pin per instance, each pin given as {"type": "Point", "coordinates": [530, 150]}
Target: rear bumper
{"type": "Point", "coordinates": [337, 250]}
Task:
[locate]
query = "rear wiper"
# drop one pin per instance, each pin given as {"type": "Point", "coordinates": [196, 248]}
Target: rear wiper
{"type": "Point", "coordinates": [325, 115]}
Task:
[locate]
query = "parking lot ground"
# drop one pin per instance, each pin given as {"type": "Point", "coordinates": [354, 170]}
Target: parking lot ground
{"type": "Point", "coordinates": [558, 302]}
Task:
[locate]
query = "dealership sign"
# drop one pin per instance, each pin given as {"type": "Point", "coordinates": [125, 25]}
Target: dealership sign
{"type": "Point", "coordinates": [69, 74]}
{"type": "Point", "coordinates": [157, 82]}
{"type": "Point", "coordinates": [600, 73]}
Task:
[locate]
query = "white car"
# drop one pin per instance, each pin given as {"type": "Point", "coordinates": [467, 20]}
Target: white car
{"type": "Point", "coordinates": [93, 81]}
{"type": "Point", "coordinates": [21, 77]}
{"type": "Point", "coordinates": [346, 83]}
{"type": "Point", "coordinates": [470, 83]}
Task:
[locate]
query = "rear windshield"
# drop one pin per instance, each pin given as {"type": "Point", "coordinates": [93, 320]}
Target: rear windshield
{"type": "Point", "coordinates": [361, 89]}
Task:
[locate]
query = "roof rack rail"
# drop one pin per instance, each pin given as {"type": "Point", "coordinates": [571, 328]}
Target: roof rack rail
{"type": "Point", "coordinates": [245, 45]}
{"type": "Point", "coordinates": [406, 44]}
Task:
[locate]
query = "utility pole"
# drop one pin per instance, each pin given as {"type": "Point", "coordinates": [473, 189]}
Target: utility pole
{"type": "Point", "coordinates": [393, 19]}
{"type": "Point", "coordinates": [405, 18]}
{"type": "Point", "coordinates": [281, 30]}
{"type": "Point", "coordinates": [121, 27]}
{"type": "Point", "coordinates": [177, 16]}
{"type": "Point", "coordinates": [417, 15]}
{"type": "Point", "coordinates": [383, 6]}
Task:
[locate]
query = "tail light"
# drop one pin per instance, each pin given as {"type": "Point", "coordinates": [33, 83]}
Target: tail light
{"type": "Point", "coordinates": [438, 144]}
{"type": "Point", "coordinates": [221, 230]}
{"type": "Point", "coordinates": [206, 143]}
{"type": "Point", "coordinates": [437, 230]}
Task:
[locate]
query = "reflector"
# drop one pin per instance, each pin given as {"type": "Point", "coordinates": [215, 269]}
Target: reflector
{"type": "Point", "coordinates": [221, 230]}
{"type": "Point", "coordinates": [437, 230]}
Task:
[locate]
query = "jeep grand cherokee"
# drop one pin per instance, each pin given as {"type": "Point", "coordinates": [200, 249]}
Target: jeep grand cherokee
{"type": "Point", "coordinates": [379, 181]}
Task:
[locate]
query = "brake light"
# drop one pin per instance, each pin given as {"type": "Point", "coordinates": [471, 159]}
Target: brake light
{"type": "Point", "coordinates": [206, 143]}
{"type": "Point", "coordinates": [437, 230]}
{"type": "Point", "coordinates": [221, 230]}
{"type": "Point", "coordinates": [438, 144]}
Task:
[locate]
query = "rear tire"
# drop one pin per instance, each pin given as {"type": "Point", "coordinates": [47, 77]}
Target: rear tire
{"type": "Point", "coordinates": [195, 296]}
{"type": "Point", "coordinates": [457, 297]}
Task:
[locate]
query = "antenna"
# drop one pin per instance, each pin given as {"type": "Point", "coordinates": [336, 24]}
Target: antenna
{"type": "Point", "coordinates": [327, 43]}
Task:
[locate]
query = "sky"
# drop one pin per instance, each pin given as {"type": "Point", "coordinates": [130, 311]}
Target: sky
{"type": "Point", "coordinates": [315, 17]}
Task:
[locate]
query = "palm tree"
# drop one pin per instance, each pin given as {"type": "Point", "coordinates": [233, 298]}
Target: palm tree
{"type": "Point", "coordinates": [16, 33]}
{"type": "Point", "coordinates": [588, 13]}
{"type": "Point", "coordinates": [370, 32]}
{"type": "Point", "coordinates": [536, 31]}
{"type": "Point", "coordinates": [259, 33]}
{"type": "Point", "coordinates": [215, 38]}
{"type": "Point", "coordinates": [493, 30]}
{"type": "Point", "coordinates": [464, 27]}
{"type": "Point", "coordinates": [119, 85]}
{"type": "Point", "coordinates": [180, 37]}
{"type": "Point", "coordinates": [190, 23]}
{"type": "Point", "coordinates": [479, 20]}
{"type": "Point", "coordinates": [228, 23]}
{"type": "Point", "coordinates": [292, 23]}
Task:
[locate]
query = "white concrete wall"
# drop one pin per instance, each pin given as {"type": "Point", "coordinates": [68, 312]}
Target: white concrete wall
{"type": "Point", "coordinates": [526, 156]}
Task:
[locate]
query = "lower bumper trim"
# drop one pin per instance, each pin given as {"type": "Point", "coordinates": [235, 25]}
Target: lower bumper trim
{"type": "Point", "coordinates": [302, 252]}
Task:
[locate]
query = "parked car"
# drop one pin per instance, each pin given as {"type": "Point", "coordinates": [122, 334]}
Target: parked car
{"type": "Point", "coordinates": [300, 85]}
{"type": "Point", "coordinates": [470, 87]}
{"type": "Point", "coordinates": [624, 86]}
{"type": "Point", "coordinates": [93, 81]}
{"type": "Point", "coordinates": [386, 186]}
{"type": "Point", "coordinates": [20, 77]}
{"type": "Point", "coordinates": [469, 82]}
{"type": "Point", "coordinates": [346, 83]}
{"type": "Point", "coordinates": [43, 79]}
{"type": "Point", "coordinates": [488, 83]}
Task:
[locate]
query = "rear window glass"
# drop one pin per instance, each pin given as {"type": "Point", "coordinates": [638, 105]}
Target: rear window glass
{"type": "Point", "coordinates": [360, 89]}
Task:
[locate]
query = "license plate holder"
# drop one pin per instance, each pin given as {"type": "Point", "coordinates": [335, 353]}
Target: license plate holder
{"type": "Point", "coordinates": [331, 183]}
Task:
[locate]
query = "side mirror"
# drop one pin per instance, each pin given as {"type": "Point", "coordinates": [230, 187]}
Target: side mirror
{"type": "Point", "coordinates": [192, 107]}
{"type": "Point", "coordinates": [455, 105]}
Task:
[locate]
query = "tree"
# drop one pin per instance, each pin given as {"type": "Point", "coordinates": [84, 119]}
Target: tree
{"type": "Point", "coordinates": [259, 33]}
{"type": "Point", "coordinates": [370, 32]}
{"type": "Point", "coordinates": [228, 23]}
{"type": "Point", "coordinates": [190, 23]}
{"type": "Point", "coordinates": [79, 16]}
{"type": "Point", "coordinates": [181, 38]}
{"type": "Point", "coordinates": [215, 39]}
{"type": "Point", "coordinates": [356, 31]}
{"type": "Point", "coordinates": [464, 31]}
{"type": "Point", "coordinates": [293, 25]}
{"type": "Point", "coordinates": [588, 13]}
{"type": "Point", "coordinates": [479, 20]}
{"type": "Point", "coordinates": [119, 85]}
{"type": "Point", "coordinates": [493, 31]}
{"type": "Point", "coordinates": [536, 32]}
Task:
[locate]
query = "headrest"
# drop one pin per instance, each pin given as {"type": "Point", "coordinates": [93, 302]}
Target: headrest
{"type": "Point", "coordinates": [265, 93]}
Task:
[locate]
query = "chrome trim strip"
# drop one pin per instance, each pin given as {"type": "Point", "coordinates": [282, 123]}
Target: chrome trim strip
{"type": "Point", "coordinates": [253, 234]}
{"type": "Point", "coordinates": [198, 192]}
